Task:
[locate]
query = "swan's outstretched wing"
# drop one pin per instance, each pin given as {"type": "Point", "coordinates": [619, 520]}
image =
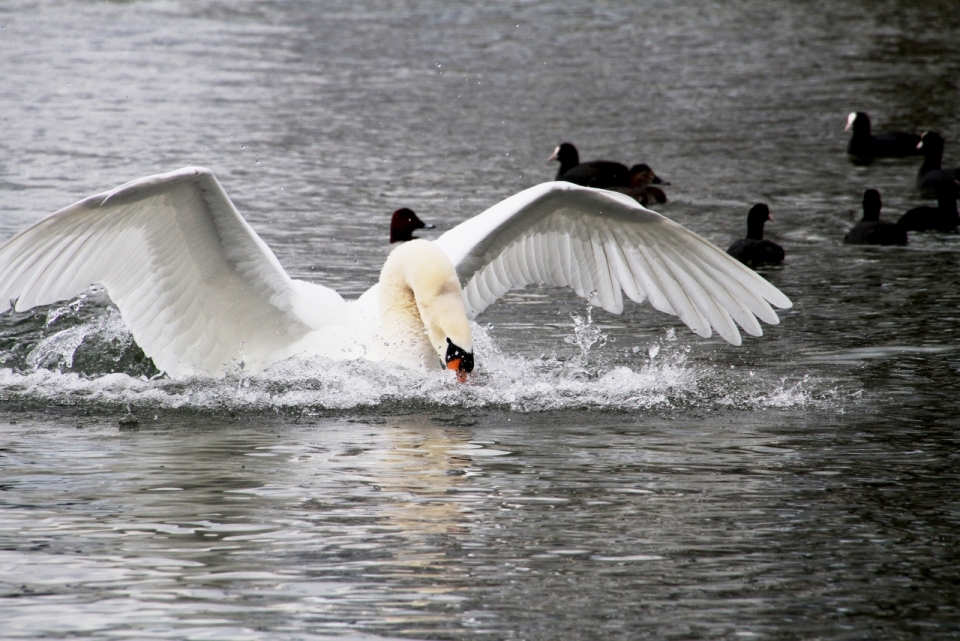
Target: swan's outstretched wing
{"type": "Point", "coordinates": [199, 290]}
{"type": "Point", "coordinates": [601, 243]}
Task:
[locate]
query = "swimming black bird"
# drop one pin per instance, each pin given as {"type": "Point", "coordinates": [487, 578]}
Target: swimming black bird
{"type": "Point", "coordinates": [602, 174]}
{"type": "Point", "coordinates": [864, 146]}
{"type": "Point", "coordinates": [932, 177]}
{"type": "Point", "coordinates": [871, 230]}
{"type": "Point", "coordinates": [754, 250]}
{"type": "Point", "coordinates": [943, 217]}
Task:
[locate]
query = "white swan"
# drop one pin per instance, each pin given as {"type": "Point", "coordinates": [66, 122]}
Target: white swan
{"type": "Point", "coordinates": [202, 294]}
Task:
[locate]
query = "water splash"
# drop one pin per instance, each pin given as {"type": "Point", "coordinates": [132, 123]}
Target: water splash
{"type": "Point", "coordinates": [92, 362]}
{"type": "Point", "coordinates": [103, 345]}
{"type": "Point", "coordinates": [585, 334]}
{"type": "Point", "coordinates": [86, 336]}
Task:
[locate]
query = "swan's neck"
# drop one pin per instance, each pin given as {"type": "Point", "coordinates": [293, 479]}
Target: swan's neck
{"type": "Point", "coordinates": [403, 328]}
{"type": "Point", "coordinates": [421, 304]}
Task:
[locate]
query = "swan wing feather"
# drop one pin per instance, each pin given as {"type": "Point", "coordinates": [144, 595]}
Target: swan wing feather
{"type": "Point", "coordinates": [199, 290]}
{"type": "Point", "coordinates": [603, 244]}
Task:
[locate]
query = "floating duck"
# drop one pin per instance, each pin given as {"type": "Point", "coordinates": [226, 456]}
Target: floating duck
{"type": "Point", "coordinates": [641, 188]}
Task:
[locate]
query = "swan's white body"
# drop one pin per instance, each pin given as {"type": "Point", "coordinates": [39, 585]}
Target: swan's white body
{"type": "Point", "coordinates": [202, 293]}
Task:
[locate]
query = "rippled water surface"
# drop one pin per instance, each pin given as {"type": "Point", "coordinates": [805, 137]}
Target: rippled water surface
{"type": "Point", "coordinates": [601, 476]}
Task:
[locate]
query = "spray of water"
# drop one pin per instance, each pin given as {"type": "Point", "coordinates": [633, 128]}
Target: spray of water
{"type": "Point", "coordinates": [73, 355]}
{"type": "Point", "coordinates": [585, 335]}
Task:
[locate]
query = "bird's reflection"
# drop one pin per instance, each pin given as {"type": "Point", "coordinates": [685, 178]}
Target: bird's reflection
{"type": "Point", "coordinates": [423, 468]}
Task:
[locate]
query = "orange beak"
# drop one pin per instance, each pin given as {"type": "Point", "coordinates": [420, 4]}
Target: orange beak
{"type": "Point", "coordinates": [454, 364]}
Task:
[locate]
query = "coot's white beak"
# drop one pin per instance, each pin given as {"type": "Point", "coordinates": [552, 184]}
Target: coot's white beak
{"type": "Point", "coordinates": [850, 119]}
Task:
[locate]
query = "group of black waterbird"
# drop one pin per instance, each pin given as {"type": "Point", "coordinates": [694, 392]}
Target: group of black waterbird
{"type": "Point", "coordinates": [933, 181]}
{"type": "Point", "coordinates": [641, 183]}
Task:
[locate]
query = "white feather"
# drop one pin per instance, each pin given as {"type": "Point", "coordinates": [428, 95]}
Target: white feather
{"type": "Point", "coordinates": [199, 290]}
{"type": "Point", "coordinates": [599, 241]}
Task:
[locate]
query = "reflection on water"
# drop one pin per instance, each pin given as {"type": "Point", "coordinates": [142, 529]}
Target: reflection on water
{"type": "Point", "coordinates": [483, 521]}
{"type": "Point", "coordinates": [172, 514]}
{"type": "Point", "coordinates": [650, 484]}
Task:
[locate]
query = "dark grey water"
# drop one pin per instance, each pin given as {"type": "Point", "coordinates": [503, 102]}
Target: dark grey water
{"type": "Point", "coordinates": [647, 485]}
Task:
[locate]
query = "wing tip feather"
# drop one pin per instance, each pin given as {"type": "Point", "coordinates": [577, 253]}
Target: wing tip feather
{"type": "Point", "coordinates": [140, 187]}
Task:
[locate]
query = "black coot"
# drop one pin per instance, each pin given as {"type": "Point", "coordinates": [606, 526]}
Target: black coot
{"type": "Point", "coordinates": [943, 217]}
{"type": "Point", "coordinates": [602, 174]}
{"type": "Point", "coordinates": [871, 230]}
{"type": "Point", "coordinates": [932, 178]}
{"type": "Point", "coordinates": [596, 173]}
{"type": "Point", "coordinates": [754, 250]}
{"type": "Point", "coordinates": [864, 146]}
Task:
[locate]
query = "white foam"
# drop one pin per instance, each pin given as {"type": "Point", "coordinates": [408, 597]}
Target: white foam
{"type": "Point", "coordinates": [660, 376]}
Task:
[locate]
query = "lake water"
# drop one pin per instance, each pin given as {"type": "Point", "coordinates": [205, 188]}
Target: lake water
{"type": "Point", "coordinates": [627, 481]}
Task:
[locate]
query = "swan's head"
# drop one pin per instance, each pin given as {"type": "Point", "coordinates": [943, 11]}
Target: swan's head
{"type": "Point", "coordinates": [420, 298]}
{"type": "Point", "coordinates": [404, 223]}
{"type": "Point", "coordinates": [458, 360]}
